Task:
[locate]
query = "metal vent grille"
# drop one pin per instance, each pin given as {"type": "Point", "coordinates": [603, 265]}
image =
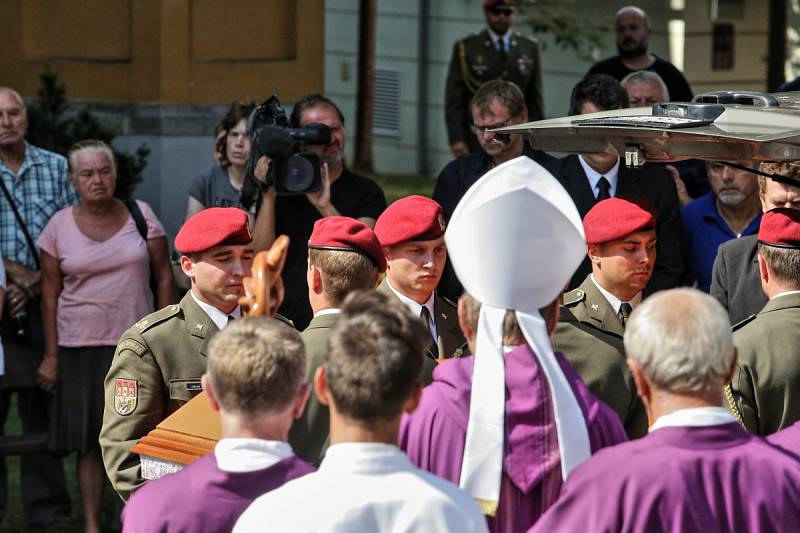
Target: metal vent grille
{"type": "Point", "coordinates": [386, 106]}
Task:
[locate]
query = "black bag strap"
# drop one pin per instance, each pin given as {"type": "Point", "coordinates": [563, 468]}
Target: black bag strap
{"type": "Point", "coordinates": [21, 223]}
{"type": "Point", "coordinates": [138, 218]}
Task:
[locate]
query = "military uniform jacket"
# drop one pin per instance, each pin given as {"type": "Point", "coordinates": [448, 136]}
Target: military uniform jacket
{"type": "Point", "coordinates": [450, 340]}
{"type": "Point", "coordinates": [589, 334]}
{"type": "Point", "coordinates": [736, 281]}
{"type": "Point", "coordinates": [309, 434]}
{"type": "Point", "coordinates": [475, 61]}
{"type": "Point", "coordinates": [766, 384]}
{"type": "Point", "coordinates": [156, 369]}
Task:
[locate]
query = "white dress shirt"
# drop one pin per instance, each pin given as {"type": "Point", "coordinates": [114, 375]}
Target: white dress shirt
{"type": "Point", "coordinates": [219, 318]}
{"type": "Point", "coordinates": [594, 177]}
{"type": "Point", "coordinates": [506, 38]}
{"type": "Point", "coordinates": [416, 309]}
{"type": "Point", "coordinates": [248, 454]}
{"type": "Point", "coordinates": [694, 417]}
{"type": "Point", "coordinates": [615, 302]}
{"type": "Point", "coordinates": [364, 487]}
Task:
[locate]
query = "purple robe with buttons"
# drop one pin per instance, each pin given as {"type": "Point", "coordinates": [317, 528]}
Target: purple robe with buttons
{"type": "Point", "coordinates": [677, 479]}
{"type": "Point", "coordinates": [202, 498]}
{"type": "Point", "coordinates": [434, 435]}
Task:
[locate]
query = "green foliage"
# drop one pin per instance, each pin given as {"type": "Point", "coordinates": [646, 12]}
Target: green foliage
{"type": "Point", "coordinates": [572, 28]}
{"type": "Point", "coordinates": [54, 126]}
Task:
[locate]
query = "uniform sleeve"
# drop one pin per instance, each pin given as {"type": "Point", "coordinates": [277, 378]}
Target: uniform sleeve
{"type": "Point", "coordinates": [456, 99]}
{"type": "Point", "coordinates": [744, 398]}
{"type": "Point", "coordinates": [48, 238]}
{"type": "Point", "coordinates": [140, 415]}
{"type": "Point", "coordinates": [154, 227]}
{"type": "Point", "coordinates": [533, 93]}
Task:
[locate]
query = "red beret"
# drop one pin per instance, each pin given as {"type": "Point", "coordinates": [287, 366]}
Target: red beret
{"type": "Point", "coordinates": [413, 218]}
{"type": "Point", "coordinates": [349, 234]}
{"type": "Point", "coordinates": [780, 227]}
{"type": "Point", "coordinates": [614, 218]}
{"type": "Point", "coordinates": [215, 226]}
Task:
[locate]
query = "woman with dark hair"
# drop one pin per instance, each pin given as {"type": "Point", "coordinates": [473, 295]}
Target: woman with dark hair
{"type": "Point", "coordinates": [222, 185]}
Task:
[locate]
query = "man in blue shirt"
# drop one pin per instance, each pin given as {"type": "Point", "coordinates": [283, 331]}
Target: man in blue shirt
{"type": "Point", "coordinates": [728, 211]}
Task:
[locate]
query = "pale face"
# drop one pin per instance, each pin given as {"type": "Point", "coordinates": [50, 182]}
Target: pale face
{"type": "Point", "coordinates": [632, 34]}
{"type": "Point", "coordinates": [238, 144]}
{"type": "Point", "coordinates": [333, 152]}
{"type": "Point", "coordinates": [499, 18]}
{"type": "Point", "coordinates": [93, 175]}
{"type": "Point", "coordinates": [644, 94]}
{"type": "Point", "coordinates": [780, 195]}
{"type": "Point", "coordinates": [624, 266]}
{"type": "Point", "coordinates": [496, 117]}
{"type": "Point", "coordinates": [732, 185]}
{"type": "Point", "coordinates": [415, 267]}
{"type": "Point", "coordinates": [13, 120]}
{"type": "Point", "coordinates": [217, 274]}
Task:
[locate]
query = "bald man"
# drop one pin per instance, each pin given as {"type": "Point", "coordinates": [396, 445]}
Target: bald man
{"type": "Point", "coordinates": [633, 32]}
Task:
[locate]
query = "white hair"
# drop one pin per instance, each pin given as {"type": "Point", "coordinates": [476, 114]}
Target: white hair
{"type": "Point", "coordinates": [646, 76]}
{"type": "Point", "coordinates": [681, 338]}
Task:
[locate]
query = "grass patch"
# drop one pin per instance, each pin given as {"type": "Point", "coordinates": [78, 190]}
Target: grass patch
{"type": "Point", "coordinates": [395, 187]}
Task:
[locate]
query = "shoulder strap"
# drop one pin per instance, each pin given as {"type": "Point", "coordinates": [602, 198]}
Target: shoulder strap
{"type": "Point", "coordinates": [138, 218]}
{"type": "Point", "coordinates": [21, 223]}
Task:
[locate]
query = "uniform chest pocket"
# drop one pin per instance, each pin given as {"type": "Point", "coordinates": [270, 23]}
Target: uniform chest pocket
{"type": "Point", "coordinates": [183, 390]}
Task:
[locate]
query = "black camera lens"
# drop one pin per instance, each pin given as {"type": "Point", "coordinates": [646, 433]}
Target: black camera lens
{"type": "Point", "coordinates": [299, 175]}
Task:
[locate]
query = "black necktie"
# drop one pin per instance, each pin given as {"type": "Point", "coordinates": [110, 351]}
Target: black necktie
{"type": "Point", "coordinates": [605, 189]}
{"type": "Point", "coordinates": [501, 48]}
{"type": "Point", "coordinates": [624, 312]}
{"type": "Point", "coordinates": [425, 315]}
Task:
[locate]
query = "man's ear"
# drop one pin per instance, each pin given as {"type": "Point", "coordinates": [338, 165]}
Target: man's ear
{"type": "Point", "coordinates": [211, 394]}
{"type": "Point", "coordinates": [642, 386]}
{"type": "Point", "coordinates": [763, 269]}
{"type": "Point", "coordinates": [316, 280]}
{"type": "Point", "coordinates": [412, 402]}
{"type": "Point", "coordinates": [300, 400]}
{"type": "Point", "coordinates": [187, 266]}
{"type": "Point", "coordinates": [593, 251]}
{"type": "Point", "coordinates": [321, 386]}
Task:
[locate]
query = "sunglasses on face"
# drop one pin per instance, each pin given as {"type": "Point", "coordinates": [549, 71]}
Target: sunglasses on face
{"type": "Point", "coordinates": [504, 11]}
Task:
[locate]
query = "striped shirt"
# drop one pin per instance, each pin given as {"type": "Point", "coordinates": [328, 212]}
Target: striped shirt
{"type": "Point", "coordinates": [40, 189]}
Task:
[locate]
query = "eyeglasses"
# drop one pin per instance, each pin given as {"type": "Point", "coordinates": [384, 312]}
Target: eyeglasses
{"type": "Point", "coordinates": [504, 11]}
{"type": "Point", "coordinates": [477, 129]}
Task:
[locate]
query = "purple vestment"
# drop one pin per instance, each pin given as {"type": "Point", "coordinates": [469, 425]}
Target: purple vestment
{"type": "Point", "coordinates": [434, 435]}
{"type": "Point", "coordinates": [677, 479]}
{"type": "Point", "coordinates": [787, 438]}
{"type": "Point", "coordinates": [202, 498]}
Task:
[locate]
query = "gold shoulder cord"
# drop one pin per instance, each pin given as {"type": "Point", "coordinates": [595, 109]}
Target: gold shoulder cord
{"type": "Point", "coordinates": [732, 404]}
{"type": "Point", "coordinates": [469, 81]}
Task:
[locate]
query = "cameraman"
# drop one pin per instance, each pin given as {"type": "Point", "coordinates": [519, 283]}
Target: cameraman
{"type": "Point", "coordinates": [343, 193]}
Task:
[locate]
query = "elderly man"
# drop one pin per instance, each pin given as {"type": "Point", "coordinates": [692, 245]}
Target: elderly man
{"type": "Point", "coordinates": [35, 181]}
{"type": "Point", "coordinates": [343, 193]}
{"type": "Point", "coordinates": [256, 382]}
{"type": "Point", "coordinates": [729, 211]}
{"type": "Point", "coordinates": [344, 255]}
{"type": "Point", "coordinates": [497, 103]}
{"type": "Point", "coordinates": [622, 249]}
{"type": "Point", "coordinates": [590, 178]}
{"type": "Point", "coordinates": [697, 470]}
{"type": "Point", "coordinates": [511, 421]}
{"type": "Point", "coordinates": [633, 31]}
{"type": "Point", "coordinates": [496, 53]}
{"type": "Point", "coordinates": [411, 232]}
{"type": "Point", "coordinates": [365, 483]}
{"type": "Point", "coordinates": [644, 88]}
{"type": "Point", "coordinates": [159, 361]}
{"type": "Point", "coordinates": [765, 391]}
{"type": "Point", "coordinates": [735, 280]}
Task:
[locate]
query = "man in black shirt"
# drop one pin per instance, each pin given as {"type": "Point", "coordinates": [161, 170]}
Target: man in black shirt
{"type": "Point", "coordinates": [633, 31]}
{"type": "Point", "coordinates": [497, 103]}
{"type": "Point", "coordinates": [343, 193]}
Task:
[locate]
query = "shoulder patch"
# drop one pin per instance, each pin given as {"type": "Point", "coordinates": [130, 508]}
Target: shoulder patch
{"type": "Point", "coordinates": [126, 396]}
{"type": "Point", "coordinates": [573, 297]}
{"type": "Point", "coordinates": [741, 324]}
{"type": "Point", "coordinates": [155, 318]}
{"type": "Point", "coordinates": [133, 345]}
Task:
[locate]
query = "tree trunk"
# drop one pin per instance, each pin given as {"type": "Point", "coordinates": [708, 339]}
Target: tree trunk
{"type": "Point", "coordinates": [366, 87]}
{"type": "Point", "coordinates": [776, 51]}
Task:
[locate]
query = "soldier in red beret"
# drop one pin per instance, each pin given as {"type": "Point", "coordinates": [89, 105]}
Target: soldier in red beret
{"type": "Point", "coordinates": [344, 255]}
{"type": "Point", "coordinates": [621, 239]}
{"type": "Point", "coordinates": [159, 361]}
{"type": "Point", "coordinates": [765, 391]}
{"type": "Point", "coordinates": [411, 231]}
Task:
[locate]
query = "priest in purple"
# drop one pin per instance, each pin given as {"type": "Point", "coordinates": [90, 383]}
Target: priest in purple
{"type": "Point", "coordinates": [697, 470]}
{"type": "Point", "coordinates": [256, 380]}
{"type": "Point", "coordinates": [788, 438]}
{"type": "Point", "coordinates": [531, 383]}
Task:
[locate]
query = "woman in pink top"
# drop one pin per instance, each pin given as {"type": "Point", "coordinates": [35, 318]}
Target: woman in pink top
{"type": "Point", "coordinates": [96, 271]}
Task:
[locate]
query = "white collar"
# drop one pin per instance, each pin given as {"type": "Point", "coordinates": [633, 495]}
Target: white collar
{"type": "Point", "coordinates": [594, 177]}
{"type": "Point", "coordinates": [615, 302]}
{"type": "Point", "coordinates": [694, 417]}
{"type": "Point", "coordinates": [506, 37]}
{"type": "Point", "coordinates": [413, 306]}
{"type": "Point", "coordinates": [219, 318]}
{"type": "Point", "coordinates": [787, 293]}
{"type": "Point", "coordinates": [248, 454]}
{"type": "Point", "coordinates": [363, 457]}
{"type": "Point", "coordinates": [328, 311]}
